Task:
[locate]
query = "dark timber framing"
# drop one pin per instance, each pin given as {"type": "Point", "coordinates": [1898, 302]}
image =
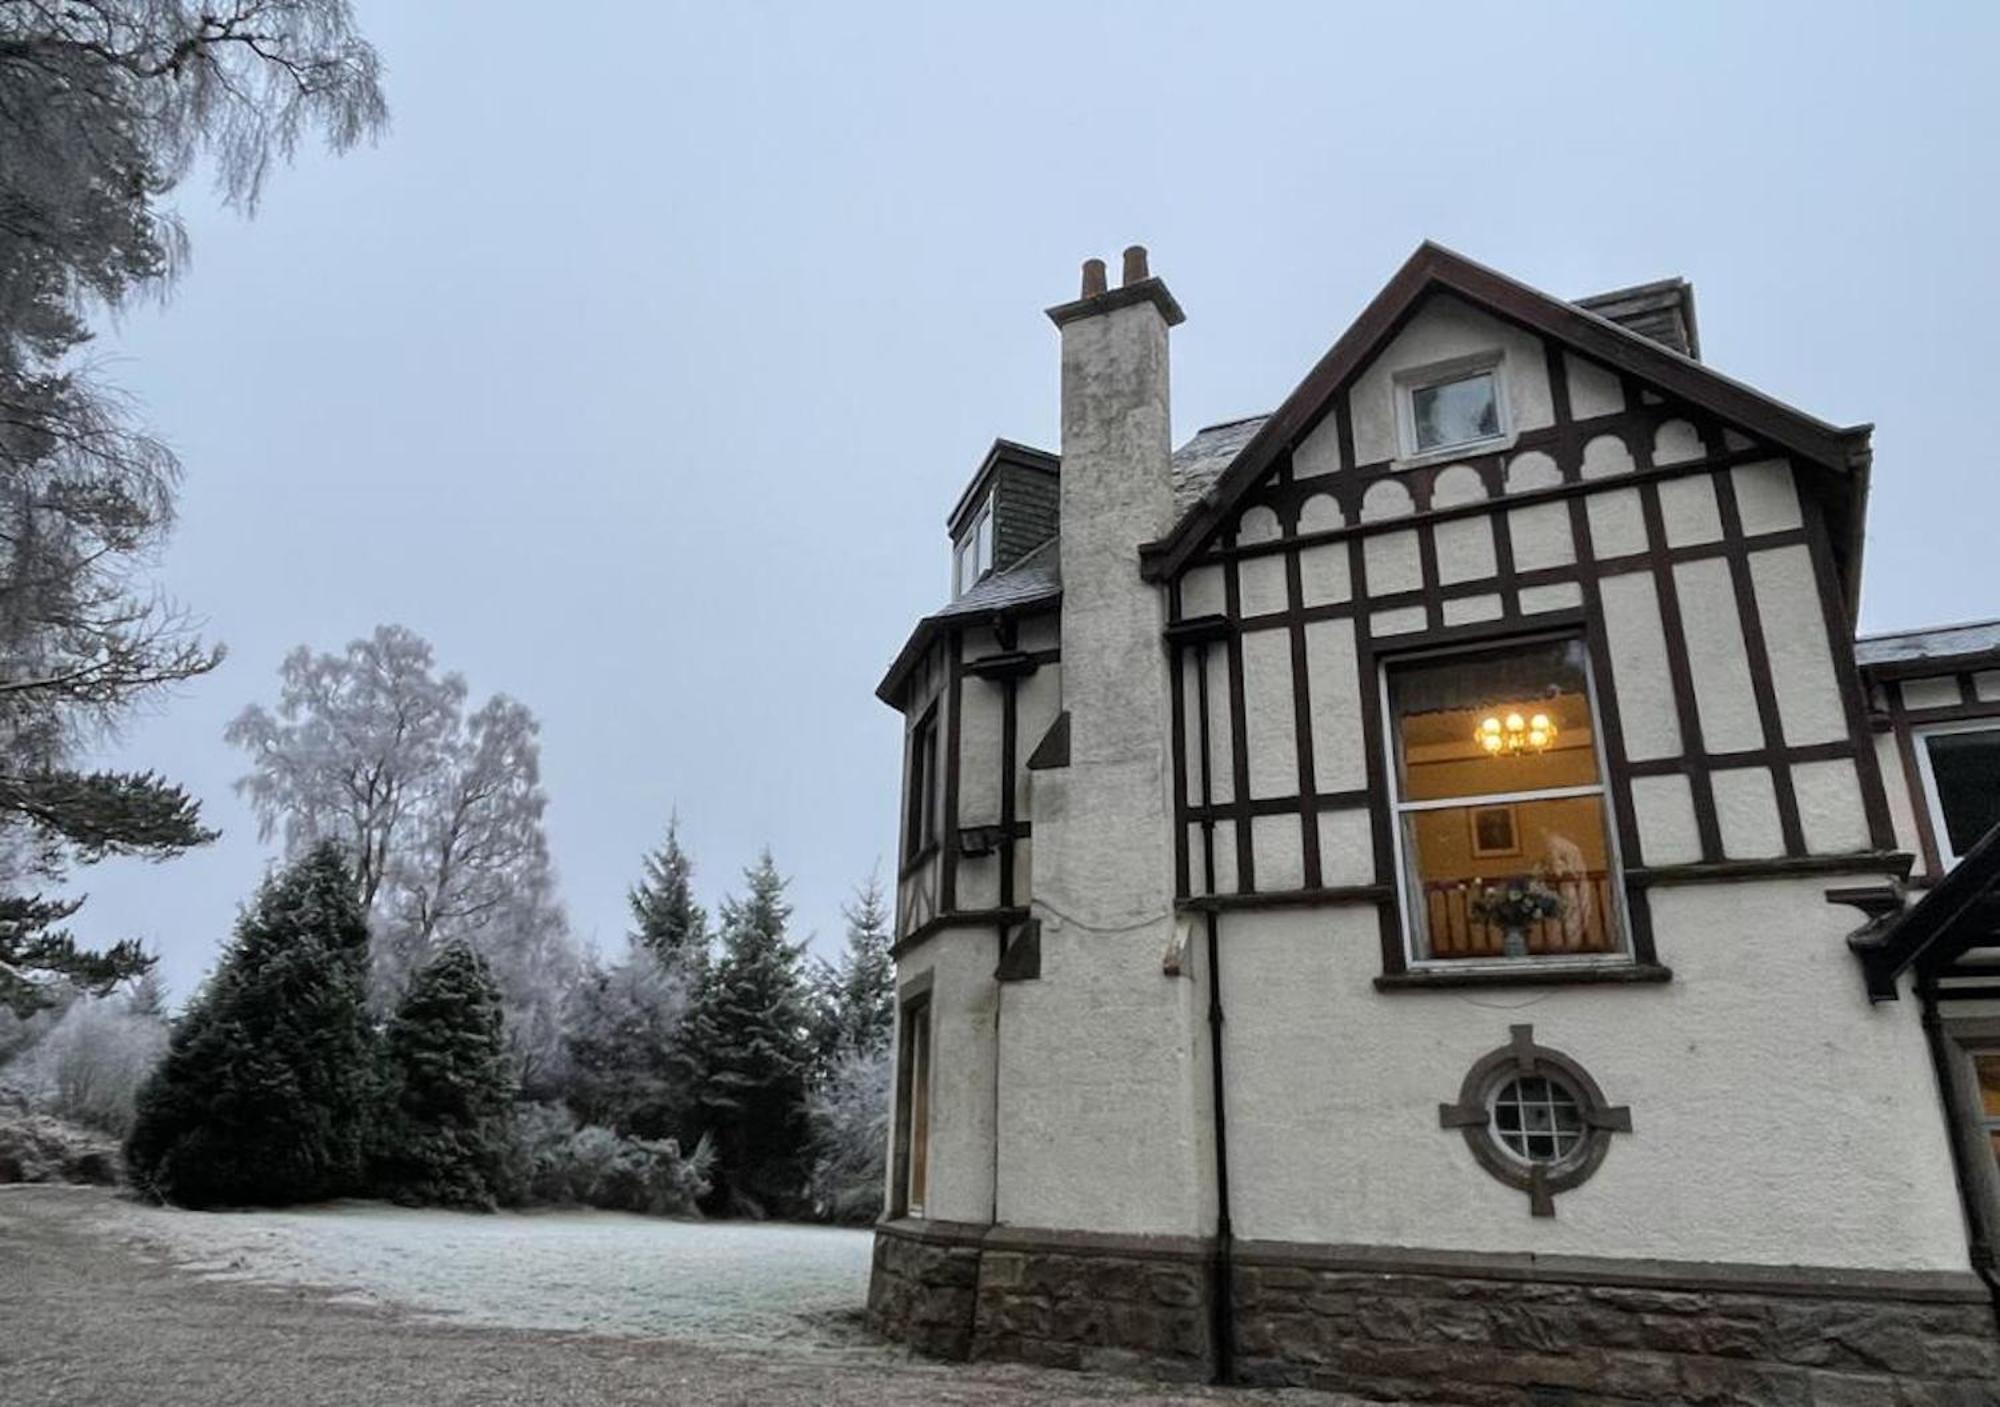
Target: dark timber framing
{"type": "Point", "coordinates": [1637, 426]}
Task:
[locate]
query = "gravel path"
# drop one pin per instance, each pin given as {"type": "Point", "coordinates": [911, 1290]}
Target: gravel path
{"type": "Point", "coordinates": [94, 1309]}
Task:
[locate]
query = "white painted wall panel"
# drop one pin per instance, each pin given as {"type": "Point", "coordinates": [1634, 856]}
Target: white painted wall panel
{"type": "Point", "coordinates": [1202, 592]}
{"type": "Point", "coordinates": [1392, 563]}
{"type": "Point", "coordinates": [1617, 523]}
{"type": "Point", "coordinates": [1810, 704]}
{"type": "Point", "coordinates": [1260, 585]}
{"type": "Point", "coordinates": [1467, 610]}
{"type": "Point", "coordinates": [1664, 810]}
{"type": "Point", "coordinates": [1555, 596]}
{"type": "Point", "coordinates": [1902, 805]}
{"type": "Point", "coordinates": [1676, 442]}
{"type": "Point", "coordinates": [1323, 575]}
{"type": "Point", "coordinates": [1346, 847]}
{"type": "Point", "coordinates": [1939, 691]}
{"type": "Point", "coordinates": [1830, 810]}
{"type": "Point", "coordinates": [1332, 679]}
{"type": "Point", "coordinates": [1766, 498]}
{"type": "Point", "coordinates": [1746, 808]}
{"type": "Point", "coordinates": [1717, 659]}
{"type": "Point", "coordinates": [1639, 662]}
{"type": "Point", "coordinates": [1593, 390]}
{"type": "Point", "coordinates": [1404, 620]}
{"type": "Point", "coordinates": [1688, 511]}
{"type": "Point", "coordinates": [1267, 699]}
{"type": "Point", "coordinates": [1464, 549]}
{"type": "Point", "coordinates": [1277, 847]}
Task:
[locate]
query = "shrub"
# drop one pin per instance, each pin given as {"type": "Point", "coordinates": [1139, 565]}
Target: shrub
{"type": "Point", "coordinates": [549, 1161]}
{"type": "Point", "coordinates": [89, 1066]}
{"type": "Point", "coordinates": [850, 1130]}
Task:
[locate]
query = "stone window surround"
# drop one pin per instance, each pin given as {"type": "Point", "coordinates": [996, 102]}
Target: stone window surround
{"type": "Point", "coordinates": [1472, 1116]}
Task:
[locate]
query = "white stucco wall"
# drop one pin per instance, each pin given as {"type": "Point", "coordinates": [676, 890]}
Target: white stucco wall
{"type": "Point", "coordinates": [960, 964]}
{"type": "Point", "coordinates": [1777, 1117]}
{"type": "Point", "coordinates": [1444, 330]}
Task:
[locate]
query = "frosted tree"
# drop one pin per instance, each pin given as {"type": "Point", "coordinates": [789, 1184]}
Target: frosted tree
{"type": "Point", "coordinates": [750, 1029]}
{"type": "Point", "coordinates": [666, 919]}
{"type": "Point", "coordinates": [624, 1043]}
{"type": "Point", "coordinates": [442, 810]}
{"type": "Point", "coordinates": [860, 994]}
{"type": "Point", "coordinates": [850, 1131]}
{"type": "Point", "coordinates": [104, 107]}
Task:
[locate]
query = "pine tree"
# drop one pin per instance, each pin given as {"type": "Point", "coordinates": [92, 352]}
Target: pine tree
{"type": "Point", "coordinates": [269, 1085]}
{"type": "Point", "coordinates": [629, 1069]}
{"type": "Point", "coordinates": [448, 1096]}
{"type": "Point", "coordinates": [865, 985]}
{"type": "Point", "coordinates": [667, 920]}
{"type": "Point", "coordinates": [751, 1031]}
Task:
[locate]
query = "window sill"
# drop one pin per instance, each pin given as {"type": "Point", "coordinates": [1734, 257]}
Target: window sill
{"type": "Point", "coordinates": [1452, 454]}
{"type": "Point", "coordinates": [1527, 975]}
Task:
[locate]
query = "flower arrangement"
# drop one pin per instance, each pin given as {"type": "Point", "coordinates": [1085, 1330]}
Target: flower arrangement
{"type": "Point", "coordinates": [1514, 903]}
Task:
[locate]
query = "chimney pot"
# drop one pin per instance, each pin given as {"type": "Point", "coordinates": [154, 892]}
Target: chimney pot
{"type": "Point", "coordinates": [1135, 265]}
{"type": "Point", "coordinates": [1093, 277]}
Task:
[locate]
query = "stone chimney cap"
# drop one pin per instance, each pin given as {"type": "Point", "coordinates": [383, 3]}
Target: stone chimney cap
{"type": "Point", "coordinates": [1138, 286]}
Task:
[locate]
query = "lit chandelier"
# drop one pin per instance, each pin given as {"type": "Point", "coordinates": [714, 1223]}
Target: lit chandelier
{"type": "Point", "coordinates": [1511, 733]}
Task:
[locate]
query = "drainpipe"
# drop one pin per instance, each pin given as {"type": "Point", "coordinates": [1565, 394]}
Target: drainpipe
{"type": "Point", "coordinates": [1222, 1290]}
{"type": "Point", "coordinates": [1980, 1247]}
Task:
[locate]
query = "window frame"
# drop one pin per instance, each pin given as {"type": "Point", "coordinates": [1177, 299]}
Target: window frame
{"type": "Point", "coordinates": [921, 823]}
{"type": "Point", "coordinates": [1967, 1038]}
{"type": "Point", "coordinates": [1626, 954]}
{"type": "Point", "coordinates": [915, 1058]}
{"type": "Point", "coordinates": [1920, 737]}
{"type": "Point", "coordinates": [971, 541]}
{"type": "Point", "coordinates": [1443, 373]}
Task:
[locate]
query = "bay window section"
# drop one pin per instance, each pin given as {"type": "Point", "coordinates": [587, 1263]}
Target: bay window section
{"type": "Point", "coordinates": [1503, 824]}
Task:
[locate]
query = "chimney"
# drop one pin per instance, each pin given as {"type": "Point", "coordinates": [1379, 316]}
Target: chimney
{"type": "Point", "coordinates": [1114, 863]}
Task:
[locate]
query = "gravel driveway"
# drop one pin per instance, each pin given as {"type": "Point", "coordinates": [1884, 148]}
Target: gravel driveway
{"type": "Point", "coordinates": [99, 1305]}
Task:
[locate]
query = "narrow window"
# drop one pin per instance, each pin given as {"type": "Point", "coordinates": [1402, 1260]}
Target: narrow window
{"type": "Point", "coordinates": [1501, 813]}
{"type": "Point", "coordinates": [1462, 410]}
{"type": "Point", "coordinates": [920, 819]}
{"type": "Point", "coordinates": [973, 556]}
{"type": "Point", "coordinates": [1961, 769]}
{"type": "Point", "coordinates": [913, 1106]}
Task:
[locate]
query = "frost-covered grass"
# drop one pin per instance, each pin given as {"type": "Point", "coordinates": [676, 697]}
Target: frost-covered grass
{"type": "Point", "coordinates": [597, 1272]}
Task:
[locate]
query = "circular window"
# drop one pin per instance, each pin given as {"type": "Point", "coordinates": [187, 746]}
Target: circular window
{"type": "Point", "coordinates": [1537, 1118]}
{"type": "Point", "coordinates": [1534, 1119]}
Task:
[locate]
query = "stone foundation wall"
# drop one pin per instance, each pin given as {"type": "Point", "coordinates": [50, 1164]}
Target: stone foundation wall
{"type": "Point", "coordinates": [1482, 1341]}
{"type": "Point", "coordinates": [1472, 1331]}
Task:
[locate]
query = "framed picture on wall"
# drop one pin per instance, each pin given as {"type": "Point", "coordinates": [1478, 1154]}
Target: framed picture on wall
{"type": "Point", "coordinates": [1493, 832]}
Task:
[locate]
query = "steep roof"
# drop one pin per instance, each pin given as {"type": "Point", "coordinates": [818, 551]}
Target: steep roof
{"type": "Point", "coordinates": [1035, 580]}
{"type": "Point", "coordinates": [1434, 269]}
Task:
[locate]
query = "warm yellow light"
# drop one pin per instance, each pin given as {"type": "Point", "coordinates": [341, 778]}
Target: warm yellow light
{"type": "Point", "coordinates": [1514, 733]}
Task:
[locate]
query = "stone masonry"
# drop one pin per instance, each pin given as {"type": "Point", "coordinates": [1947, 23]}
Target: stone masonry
{"type": "Point", "coordinates": [1467, 1339]}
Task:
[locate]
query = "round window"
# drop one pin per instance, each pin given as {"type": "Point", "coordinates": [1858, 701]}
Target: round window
{"type": "Point", "coordinates": [1534, 1118]}
{"type": "Point", "coordinates": [1537, 1118]}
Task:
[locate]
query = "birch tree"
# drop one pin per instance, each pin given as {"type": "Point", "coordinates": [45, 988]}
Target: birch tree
{"type": "Point", "coordinates": [442, 810]}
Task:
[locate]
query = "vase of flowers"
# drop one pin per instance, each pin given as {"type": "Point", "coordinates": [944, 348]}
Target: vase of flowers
{"type": "Point", "coordinates": [1514, 905]}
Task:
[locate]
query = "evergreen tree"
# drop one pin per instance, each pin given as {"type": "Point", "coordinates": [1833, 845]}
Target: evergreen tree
{"type": "Point", "coordinates": [667, 921]}
{"type": "Point", "coordinates": [629, 1068]}
{"type": "Point", "coordinates": [449, 1098]}
{"type": "Point", "coordinates": [751, 1029]}
{"type": "Point", "coordinates": [268, 1087]}
{"type": "Point", "coordinates": [865, 983]}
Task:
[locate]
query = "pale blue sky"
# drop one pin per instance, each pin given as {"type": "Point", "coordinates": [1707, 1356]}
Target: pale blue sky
{"type": "Point", "coordinates": [638, 366]}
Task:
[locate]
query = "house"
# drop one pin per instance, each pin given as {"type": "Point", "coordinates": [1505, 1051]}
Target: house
{"type": "Point", "coordinates": [1422, 893]}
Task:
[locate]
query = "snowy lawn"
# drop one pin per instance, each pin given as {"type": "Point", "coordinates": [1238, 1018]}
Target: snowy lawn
{"type": "Point", "coordinates": [597, 1272]}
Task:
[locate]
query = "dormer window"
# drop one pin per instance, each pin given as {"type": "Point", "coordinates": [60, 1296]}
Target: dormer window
{"type": "Point", "coordinates": [973, 557]}
{"type": "Point", "coordinates": [1451, 407]}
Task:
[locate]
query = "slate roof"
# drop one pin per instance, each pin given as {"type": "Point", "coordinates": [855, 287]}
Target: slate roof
{"type": "Point", "coordinates": [1938, 642]}
{"type": "Point", "coordinates": [1200, 462]}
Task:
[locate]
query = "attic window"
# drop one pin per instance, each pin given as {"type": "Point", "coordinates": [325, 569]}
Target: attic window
{"type": "Point", "coordinates": [973, 557]}
{"type": "Point", "coordinates": [1447, 408]}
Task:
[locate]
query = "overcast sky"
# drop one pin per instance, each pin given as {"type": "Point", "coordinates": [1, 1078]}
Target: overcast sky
{"type": "Point", "coordinates": [639, 364]}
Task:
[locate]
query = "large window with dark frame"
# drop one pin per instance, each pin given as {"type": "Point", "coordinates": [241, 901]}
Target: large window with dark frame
{"type": "Point", "coordinates": [1961, 774]}
{"type": "Point", "coordinates": [920, 817]}
{"type": "Point", "coordinates": [1504, 833]}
